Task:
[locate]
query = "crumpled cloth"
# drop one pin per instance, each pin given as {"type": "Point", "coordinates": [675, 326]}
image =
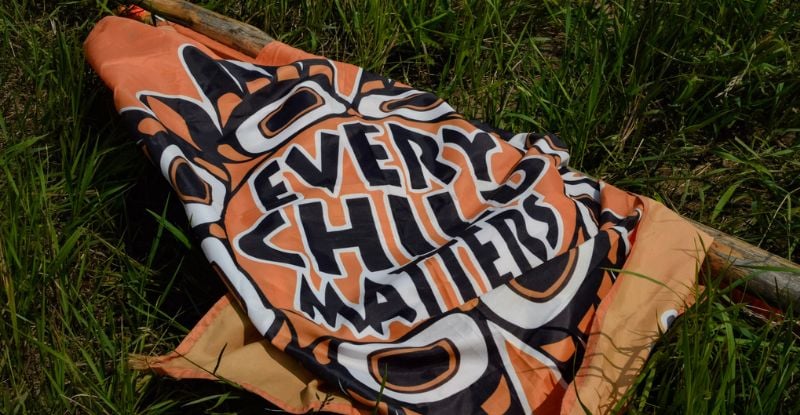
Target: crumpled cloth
{"type": "Point", "coordinates": [381, 249]}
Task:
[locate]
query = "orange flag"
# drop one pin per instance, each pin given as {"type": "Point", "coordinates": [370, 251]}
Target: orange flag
{"type": "Point", "coordinates": [379, 247]}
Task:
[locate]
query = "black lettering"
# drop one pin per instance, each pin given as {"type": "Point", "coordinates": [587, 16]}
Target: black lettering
{"type": "Point", "coordinates": [453, 265]}
{"type": "Point", "coordinates": [444, 208]}
{"type": "Point", "coordinates": [542, 214]}
{"type": "Point", "coordinates": [362, 234]}
{"type": "Point", "coordinates": [326, 175]}
{"type": "Point", "coordinates": [330, 309]}
{"type": "Point", "coordinates": [531, 169]}
{"type": "Point", "coordinates": [367, 156]}
{"type": "Point", "coordinates": [429, 152]}
{"type": "Point", "coordinates": [476, 150]}
{"type": "Point", "coordinates": [255, 242]}
{"type": "Point", "coordinates": [268, 194]}
{"type": "Point", "coordinates": [407, 225]}
{"type": "Point", "coordinates": [381, 303]}
{"type": "Point", "coordinates": [519, 238]}
{"type": "Point", "coordinates": [486, 254]}
{"type": "Point", "coordinates": [423, 287]}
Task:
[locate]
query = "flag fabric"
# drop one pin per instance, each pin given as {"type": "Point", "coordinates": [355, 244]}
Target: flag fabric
{"type": "Point", "coordinates": [382, 250]}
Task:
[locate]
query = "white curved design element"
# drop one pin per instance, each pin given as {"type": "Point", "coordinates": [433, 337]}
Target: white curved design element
{"type": "Point", "coordinates": [667, 318]}
{"type": "Point", "coordinates": [252, 140]}
{"type": "Point", "coordinates": [527, 314]}
{"type": "Point", "coordinates": [457, 328]}
{"type": "Point", "coordinates": [370, 106]}
{"type": "Point", "coordinates": [261, 316]}
{"type": "Point", "coordinates": [198, 213]}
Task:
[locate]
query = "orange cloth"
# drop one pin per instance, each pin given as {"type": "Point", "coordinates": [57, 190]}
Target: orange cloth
{"type": "Point", "coordinates": [377, 245]}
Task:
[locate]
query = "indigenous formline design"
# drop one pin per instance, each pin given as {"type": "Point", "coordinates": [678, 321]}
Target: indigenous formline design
{"type": "Point", "coordinates": [375, 235]}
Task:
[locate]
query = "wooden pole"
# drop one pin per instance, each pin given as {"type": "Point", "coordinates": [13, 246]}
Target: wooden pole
{"type": "Point", "coordinates": [230, 32]}
{"type": "Point", "coordinates": [769, 276]}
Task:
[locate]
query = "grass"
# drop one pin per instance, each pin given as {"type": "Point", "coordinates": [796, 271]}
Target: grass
{"type": "Point", "coordinates": [694, 103]}
{"type": "Point", "coordinates": [721, 358]}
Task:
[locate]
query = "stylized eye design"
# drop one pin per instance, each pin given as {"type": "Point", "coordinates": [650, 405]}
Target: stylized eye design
{"type": "Point", "coordinates": [417, 102]}
{"type": "Point", "coordinates": [413, 105]}
{"type": "Point", "coordinates": [305, 104]}
{"type": "Point", "coordinates": [433, 364]}
{"type": "Point", "coordinates": [203, 194]}
{"type": "Point", "coordinates": [301, 102]}
{"type": "Point", "coordinates": [187, 184]}
{"type": "Point", "coordinates": [439, 359]}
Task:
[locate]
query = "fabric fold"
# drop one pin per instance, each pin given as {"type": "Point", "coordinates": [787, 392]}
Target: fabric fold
{"type": "Point", "coordinates": [378, 246]}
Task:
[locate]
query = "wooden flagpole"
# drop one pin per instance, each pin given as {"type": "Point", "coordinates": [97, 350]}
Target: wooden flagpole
{"type": "Point", "coordinates": [230, 32]}
{"type": "Point", "coordinates": [769, 276]}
